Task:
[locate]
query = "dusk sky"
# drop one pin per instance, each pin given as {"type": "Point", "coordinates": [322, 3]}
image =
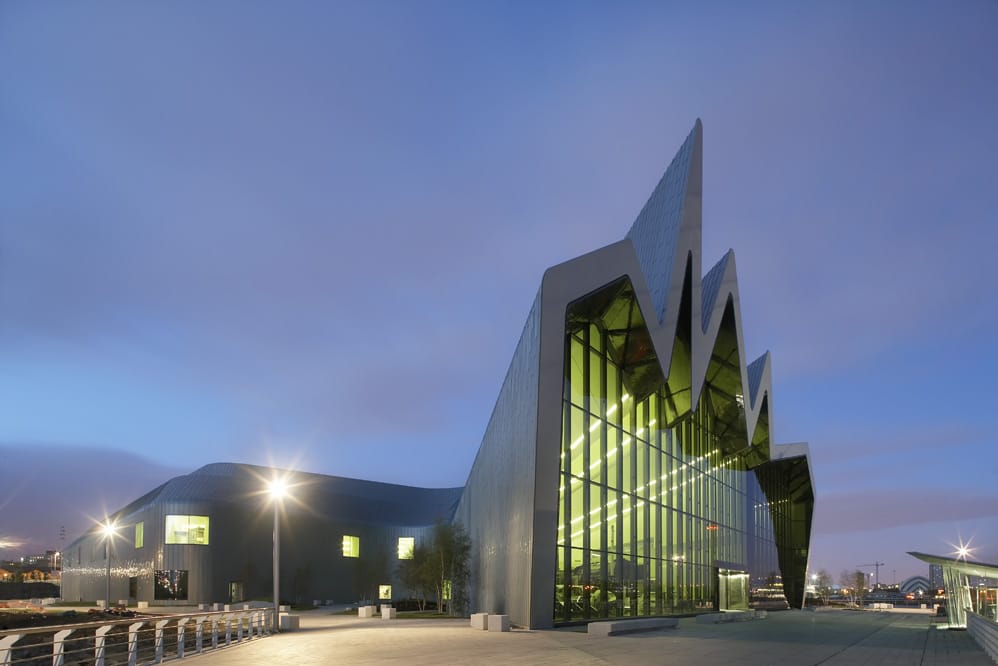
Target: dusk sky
{"type": "Point", "coordinates": [310, 234]}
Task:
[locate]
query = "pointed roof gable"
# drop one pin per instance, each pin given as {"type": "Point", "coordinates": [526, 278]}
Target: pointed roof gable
{"type": "Point", "coordinates": [655, 233]}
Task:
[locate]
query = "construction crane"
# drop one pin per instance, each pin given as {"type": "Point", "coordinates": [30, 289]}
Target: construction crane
{"type": "Point", "coordinates": [876, 565]}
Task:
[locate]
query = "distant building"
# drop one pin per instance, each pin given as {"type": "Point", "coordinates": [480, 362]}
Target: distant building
{"type": "Point", "coordinates": [627, 470]}
{"type": "Point", "coordinates": [936, 576]}
{"type": "Point", "coordinates": [916, 585]}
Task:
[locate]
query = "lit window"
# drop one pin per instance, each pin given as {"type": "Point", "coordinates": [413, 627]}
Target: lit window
{"type": "Point", "coordinates": [406, 546]}
{"type": "Point", "coordinates": [187, 530]}
{"type": "Point", "coordinates": [351, 546]}
{"type": "Point", "coordinates": [140, 530]}
{"type": "Point", "coordinates": [385, 592]}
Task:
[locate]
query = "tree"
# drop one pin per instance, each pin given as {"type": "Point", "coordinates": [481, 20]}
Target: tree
{"type": "Point", "coordinates": [847, 581]}
{"type": "Point", "coordinates": [418, 575]}
{"type": "Point", "coordinates": [859, 580]}
{"type": "Point", "coordinates": [440, 567]}
{"type": "Point", "coordinates": [823, 585]}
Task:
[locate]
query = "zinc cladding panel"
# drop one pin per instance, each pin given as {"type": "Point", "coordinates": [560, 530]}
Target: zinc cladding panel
{"type": "Point", "coordinates": [710, 286]}
{"type": "Point", "coordinates": [655, 232]}
{"type": "Point", "coordinates": [497, 507]}
{"type": "Point", "coordinates": [755, 371]}
{"type": "Point", "coordinates": [195, 559]}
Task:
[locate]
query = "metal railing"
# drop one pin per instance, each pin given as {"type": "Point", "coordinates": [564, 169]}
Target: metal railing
{"type": "Point", "coordinates": [985, 632]}
{"type": "Point", "coordinates": [133, 641]}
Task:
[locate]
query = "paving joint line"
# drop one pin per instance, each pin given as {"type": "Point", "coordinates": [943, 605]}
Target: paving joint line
{"type": "Point", "coordinates": [855, 643]}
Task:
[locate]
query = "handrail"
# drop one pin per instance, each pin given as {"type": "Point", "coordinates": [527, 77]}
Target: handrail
{"type": "Point", "coordinates": [985, 632]}
{"type": "Point", "coordinates": [133, 637]}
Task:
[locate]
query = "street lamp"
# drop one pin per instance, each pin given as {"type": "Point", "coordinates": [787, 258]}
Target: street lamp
{"type": "Point", "coordinates": [277, 488]}
{"type": "Point", "coordinates": [108, 529]}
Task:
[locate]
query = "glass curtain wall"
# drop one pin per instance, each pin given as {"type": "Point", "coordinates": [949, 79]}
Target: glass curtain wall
{"type": "Point", "coordinates": [647, 507]}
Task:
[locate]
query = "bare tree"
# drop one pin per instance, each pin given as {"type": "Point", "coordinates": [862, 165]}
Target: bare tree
{"type": "Point", "coordinates": [848, 582]}
{"type": "Point", "coordinates": [823, 585]}
{"type": "Point", "coordinates": [859, 580]}
{"type": "Point", "coordinates": [439, 568]}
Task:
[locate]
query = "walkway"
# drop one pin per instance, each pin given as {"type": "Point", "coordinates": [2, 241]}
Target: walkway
{"type": "Point", "coordinates": [830, 638]}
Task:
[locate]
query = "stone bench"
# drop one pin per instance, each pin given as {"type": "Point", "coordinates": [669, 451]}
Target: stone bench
{"type": "Point", "coordinates": [365, 611]}
{"type": "Point", "coordinates": [498, 622]}
{"type": "Point", "coordinates": [617, 627]}
{"type": "Point", "coordinates": [730, 616]}
{"type": "Point", "coordinates": [388, 613]}
{"type": "Point", "coordinates": [290, 622]}
{"type": "Point", "coordinates": [480, 621]}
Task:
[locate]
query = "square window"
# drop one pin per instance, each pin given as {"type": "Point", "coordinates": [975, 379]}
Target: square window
{"type": "Point", "coordinates": [406, 546]}
{"type": "Point", "coordinates": [187, 530]}
{"type": "Point", "coordinates": [351, 546]}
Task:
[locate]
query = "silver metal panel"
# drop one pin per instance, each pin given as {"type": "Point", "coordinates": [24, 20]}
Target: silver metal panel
{"type": "Point", "coordinates": [497, 506]}
{"type": "Point", "coordinates": [656, 231]}
{"type": "Point", "coordinates": [711, 288]}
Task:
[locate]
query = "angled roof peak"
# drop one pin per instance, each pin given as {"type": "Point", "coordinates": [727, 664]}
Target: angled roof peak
{"type": "Point", "coordinates": [755, 371]}
{"type": "Point", "coordinates": [710, 286]}
{"type": "Point", "coordinates": [674, 204]}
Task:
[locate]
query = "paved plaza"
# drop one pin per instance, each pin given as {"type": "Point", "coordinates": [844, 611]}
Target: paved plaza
{"type": "Point", "coordinates": [833, 638]}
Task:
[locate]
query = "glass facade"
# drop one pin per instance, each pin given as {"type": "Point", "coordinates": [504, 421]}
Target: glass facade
{"type": "Point", "coordinates": [655, 500]}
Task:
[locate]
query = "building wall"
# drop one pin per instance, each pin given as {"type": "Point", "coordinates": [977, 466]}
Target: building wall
{"type": "Point", "coordinates": [497, 507]}
{"type": "Point", "coordinates": [240, 550]}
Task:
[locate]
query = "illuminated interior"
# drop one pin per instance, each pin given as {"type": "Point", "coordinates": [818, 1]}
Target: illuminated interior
{"type": "Point", "coordinates": [658, 502]}
{"type": "Point", "coordinates": [406, 547]}
{"type": "Point", "coordinates": [351, 546]}
{"type": "Point", "coordinates": [187, 530]}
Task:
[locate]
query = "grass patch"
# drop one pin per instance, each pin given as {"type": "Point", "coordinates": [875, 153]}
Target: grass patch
{"type": "Point", "coordinates": [427, 615]}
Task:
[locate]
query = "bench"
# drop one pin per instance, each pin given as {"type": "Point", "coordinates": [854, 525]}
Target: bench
{"type": "Point", "coordinates": [498, 622]}
{"type": "Point", "coordinates": [731, 616]}
{"type": "Point", "coordinates": [290, 622]}
{"type": "Point", "coordinates": [618, 627]}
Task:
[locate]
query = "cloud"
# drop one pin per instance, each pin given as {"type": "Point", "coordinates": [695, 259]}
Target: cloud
{"type": "Point", "coordinates": [872, 510]}
{"type": "Point", "coordinates": [47, 487]}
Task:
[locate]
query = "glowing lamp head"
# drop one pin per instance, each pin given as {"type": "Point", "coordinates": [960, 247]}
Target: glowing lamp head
{"type": "Point", "coordinates": [962, 552]}
{"type": "Point", "coordinates": [277, 488]}
{"type": "Point", "coordinates": [108, 529]}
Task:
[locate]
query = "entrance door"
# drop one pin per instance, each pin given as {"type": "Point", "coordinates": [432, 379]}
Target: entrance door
{"type": "Point", "coordinates": [733, 589]}
{"type": "Point", "coordinates": [235, 591]}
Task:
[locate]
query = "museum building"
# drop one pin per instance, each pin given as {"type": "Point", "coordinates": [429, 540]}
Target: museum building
{"type": "Point", "coordinates": [627, 469]}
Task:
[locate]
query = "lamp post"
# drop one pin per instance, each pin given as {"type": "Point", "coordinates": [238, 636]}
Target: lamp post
{"type": "Point", "coordinates": [277, 489]}
{"type": "Point", "coordinates": [108, 529]}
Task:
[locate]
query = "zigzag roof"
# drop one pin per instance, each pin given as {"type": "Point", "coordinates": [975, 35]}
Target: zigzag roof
{"type": "Point", "coordinates": [666, 236]}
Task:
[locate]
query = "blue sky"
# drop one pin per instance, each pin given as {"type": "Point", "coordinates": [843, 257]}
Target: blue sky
{"type": "Point", "coordinates": [311, 232]}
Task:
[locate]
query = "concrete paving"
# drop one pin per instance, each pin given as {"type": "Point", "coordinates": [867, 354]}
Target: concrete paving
{"type": "Point", "coordinates": [832, 638]}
